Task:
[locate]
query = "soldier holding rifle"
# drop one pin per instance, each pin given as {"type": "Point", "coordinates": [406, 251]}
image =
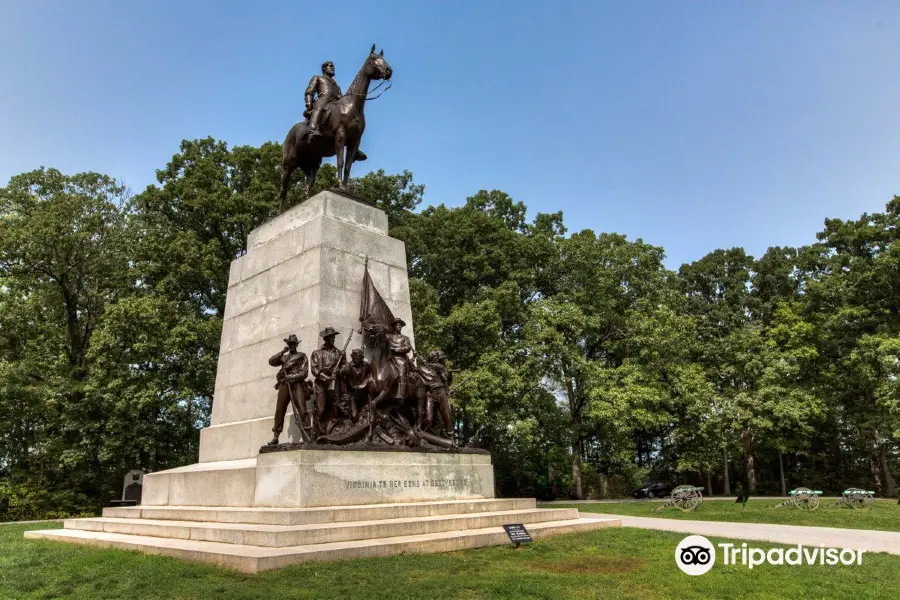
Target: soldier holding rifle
{"type": "Point", "coordinates": [294, 368]}
{"type": "Point", "coordinates": [326, 362]}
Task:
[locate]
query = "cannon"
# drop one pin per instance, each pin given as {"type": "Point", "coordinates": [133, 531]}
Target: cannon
{"type": "Point", "coordinates": [856, 498]}
{"type": "Point", "coordinates": [685, 498]}
{"type": "Point", "coordinates": [802, 498]}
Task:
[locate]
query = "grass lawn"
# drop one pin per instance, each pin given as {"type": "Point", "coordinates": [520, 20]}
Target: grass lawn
{"type": "Point", "coordinates": [884, 516]}
{"type": "Point", "coordinates": [613, 563]}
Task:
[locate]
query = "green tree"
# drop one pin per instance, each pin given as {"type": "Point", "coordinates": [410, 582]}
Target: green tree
{"type": "Point", "coordinates": [603, 342]}
{"type": "Point", "coordinates": [855, 302]}
{"type": "Point", "coordinates": [63, 263]}
{"type": "Point", "coordinates": [717, 298]}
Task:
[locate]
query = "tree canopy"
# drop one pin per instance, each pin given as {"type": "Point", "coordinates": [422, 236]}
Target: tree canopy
{"type": "Point", "coordinates": [589, 366]}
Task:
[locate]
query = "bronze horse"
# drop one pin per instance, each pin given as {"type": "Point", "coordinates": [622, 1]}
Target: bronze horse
{"type": "Point", "coordinates": [341, 130]}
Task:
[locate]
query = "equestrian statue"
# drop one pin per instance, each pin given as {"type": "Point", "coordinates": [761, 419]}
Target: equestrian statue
{"type": "Point", "coordinates": [334, 126]}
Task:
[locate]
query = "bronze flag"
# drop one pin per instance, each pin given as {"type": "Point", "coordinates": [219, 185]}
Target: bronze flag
{"type": "Point", "coordinates": [373, 310]}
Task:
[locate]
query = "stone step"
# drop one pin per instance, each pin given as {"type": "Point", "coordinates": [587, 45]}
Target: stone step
{"type": "Point", "coordinates": [274, 536]}
{"type": "Point", "coordinates": [252, 559]}
{"type": "Point", "coordinates": [308, 516]}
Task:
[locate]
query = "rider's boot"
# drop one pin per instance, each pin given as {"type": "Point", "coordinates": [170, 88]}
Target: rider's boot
{"type": "Point", "coordinates": [273, 441]}
{"type": "Point", "coordinates": [314, 122]}
{"type": "Point", "coordinates": [401, 390]}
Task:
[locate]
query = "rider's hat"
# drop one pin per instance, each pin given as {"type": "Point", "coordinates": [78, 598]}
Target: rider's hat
{"type": "Point", "coordinates": [291, 340]}
{"type": "Point", "coordinates": [328, 331]}
{"type": "Point", "coordinates": [399, 320]}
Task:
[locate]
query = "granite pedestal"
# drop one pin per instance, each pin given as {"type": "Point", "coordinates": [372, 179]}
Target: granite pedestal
{"type": "Point", "coordinates": [303, 271]}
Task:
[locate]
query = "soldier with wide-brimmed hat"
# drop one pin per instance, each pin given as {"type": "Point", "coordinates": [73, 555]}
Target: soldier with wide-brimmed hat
{"type": "Point", "coordinates": [292, 373]}
{"type": "Point", "coordinates": [399, 346]}
{"type": "Point", "coordinates": [325, 364]}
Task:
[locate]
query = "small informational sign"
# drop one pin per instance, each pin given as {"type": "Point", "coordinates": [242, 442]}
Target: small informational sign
{"type": "Point", "coordinates": [517, 533]}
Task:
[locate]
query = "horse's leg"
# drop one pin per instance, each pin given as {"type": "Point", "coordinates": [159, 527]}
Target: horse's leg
{"type": "Point", "coordinates": [339, 139]}
{"type": "Point", "coordinates": [352, 148]}
{"type": "Point", "coordinates": [287, 169]}
{"type": "Point", "coordinates": [311, 179]}
{"type": "Point", "coordinates": [374, 415]}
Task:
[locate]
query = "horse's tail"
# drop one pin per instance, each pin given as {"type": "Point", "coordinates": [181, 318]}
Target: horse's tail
{"type": "Point", "coordinates": [291, 143]}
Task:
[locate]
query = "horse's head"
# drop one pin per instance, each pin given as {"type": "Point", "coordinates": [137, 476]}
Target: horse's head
{"type": "Point", "coordinates": [376, 66]}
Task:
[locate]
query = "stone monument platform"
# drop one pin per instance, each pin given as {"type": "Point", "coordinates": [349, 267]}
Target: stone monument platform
{"type": "Point", "coordinates": [252, 510]}
{"type": "Point", "coordinates": [259, 539]}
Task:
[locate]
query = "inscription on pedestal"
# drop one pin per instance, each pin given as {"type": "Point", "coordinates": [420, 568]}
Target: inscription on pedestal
{"type": "Point", "coordinates": [309, 478]}
{"type": "Point", "coordinates": [374, 484]}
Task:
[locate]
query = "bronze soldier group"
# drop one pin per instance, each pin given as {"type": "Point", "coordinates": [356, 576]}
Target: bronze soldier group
{"type": "Point", "coordinates": [345, 402]}
{"type": "Point", "coordinates": [382, 396]}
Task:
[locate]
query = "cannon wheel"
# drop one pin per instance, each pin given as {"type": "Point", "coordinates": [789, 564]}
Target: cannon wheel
{"type": "Point", "coordinates": [858, 498]}
{"type": "Point", "coordinates": [805, 499]}
{"type": "Point", "coordinates": [863, 498]}
{"type": "Point", "coordinates": [686, 498]}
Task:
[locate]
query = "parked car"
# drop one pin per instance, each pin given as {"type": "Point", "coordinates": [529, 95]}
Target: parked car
{"type": "Point", "coordinates": [652, 490]}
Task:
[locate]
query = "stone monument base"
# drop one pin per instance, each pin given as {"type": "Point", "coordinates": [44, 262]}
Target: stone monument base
{"type": "Point", "coordinates": [258, 539]}
{"type": "Point", "coordinates": [334, 477]}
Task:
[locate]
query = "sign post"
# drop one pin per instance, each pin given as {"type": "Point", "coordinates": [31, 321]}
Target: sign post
{"type": "Point", "coordinates": [517, 533]}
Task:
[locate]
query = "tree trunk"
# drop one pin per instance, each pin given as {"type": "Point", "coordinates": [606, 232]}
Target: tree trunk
{"type": "Point", "coordinates": [749, 473]}
{"type": "Point", "coordinates": [604, 485]}
{"type": "Point", "coordinates": [876, 474]}
{"type": "Point", "coordinates": [781, 472]}
{"type": "Point", "coordinates": [888, 480]}
{"type": "Point", "coordinates": [709, 482]}
{"type": "Point", "coordinates": [577, 490]}
{"type": "Point", "coordinates": [727, 481]}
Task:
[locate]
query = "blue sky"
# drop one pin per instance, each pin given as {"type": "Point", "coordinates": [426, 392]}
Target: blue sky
{"type": "Point", "coordinates": [692, 125]}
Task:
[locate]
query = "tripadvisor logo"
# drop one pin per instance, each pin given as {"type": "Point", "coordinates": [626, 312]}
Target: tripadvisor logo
{"type": "Point", "coordinates": [695, 555]}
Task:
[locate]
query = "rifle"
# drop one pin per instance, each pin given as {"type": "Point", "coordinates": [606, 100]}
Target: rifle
{"type": "Point", "coordinates": [460, 384]}
{"type": "Point", "coordinates": [337, 365]}
{"type": "Point", "coordinates": [304, 435]}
